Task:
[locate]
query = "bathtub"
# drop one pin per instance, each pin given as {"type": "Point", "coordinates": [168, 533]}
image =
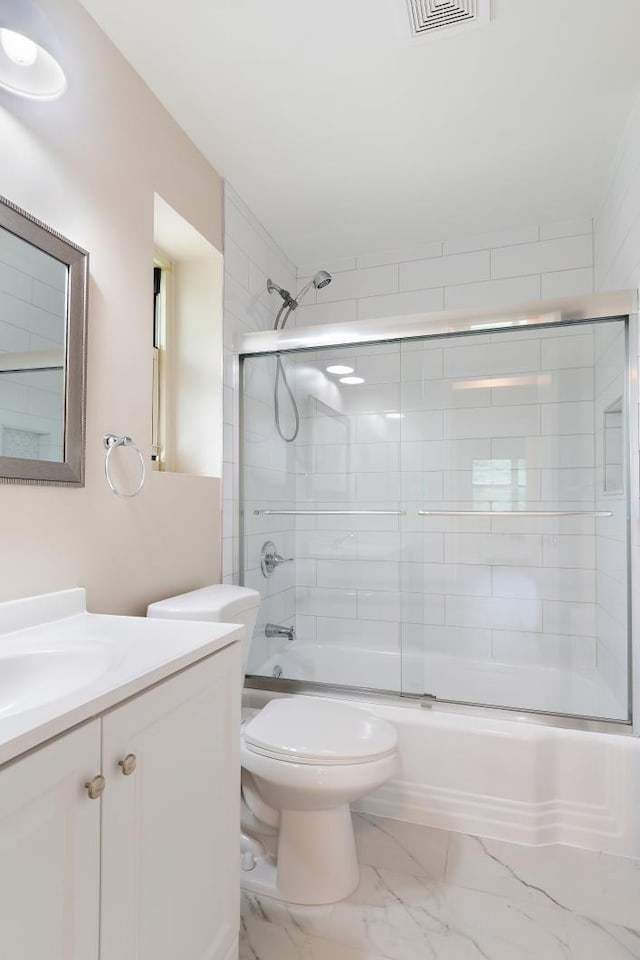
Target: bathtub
{"type": "Point", "coordinates": [506, 777]}
{"type": "Point", "coordinates": [523, 686]}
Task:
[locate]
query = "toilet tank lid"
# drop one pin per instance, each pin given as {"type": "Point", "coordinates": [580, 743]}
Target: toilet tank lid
{"type": "Point", "coordinates": [220, 602]}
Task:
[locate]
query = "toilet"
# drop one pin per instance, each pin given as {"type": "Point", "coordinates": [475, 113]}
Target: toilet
{"type": "Point", "coordinates": [304, 761]}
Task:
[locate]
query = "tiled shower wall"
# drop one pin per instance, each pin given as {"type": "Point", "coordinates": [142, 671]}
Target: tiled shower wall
{"type": "Point", "coordinates": [617, 267]}
{"type": "Point", "coordinates": [494, 419]}
{"type": "Point", "coordinates": [611, 483]}
{"type": "Point", "coordinates": [515, 266]}
{"type": "Point", "coordinates": [32, 305]}
{"type": "Point", "coordinates": [251, 257]}
{"type": "Point", "coordinates": [551, 260]}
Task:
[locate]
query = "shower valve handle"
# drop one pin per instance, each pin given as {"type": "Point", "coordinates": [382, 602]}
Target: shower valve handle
{"type": "Point", "coordinates": [270, 559]}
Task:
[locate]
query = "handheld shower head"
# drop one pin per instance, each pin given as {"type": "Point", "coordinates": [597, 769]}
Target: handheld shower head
{"type": "Point", "coordinates": [319, 280]}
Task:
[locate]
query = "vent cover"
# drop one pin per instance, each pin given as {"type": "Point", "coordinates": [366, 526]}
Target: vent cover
{"type": "Point", "coordinates": [431, 16]}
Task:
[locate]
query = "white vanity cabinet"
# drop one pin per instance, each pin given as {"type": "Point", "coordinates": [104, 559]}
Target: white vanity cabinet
{"type": "Point", "coordinates": [149, 869]}
{"type": "Point", "coordinates": [170, 828]}
{"type": "Point", "coordinates": [50, 851]}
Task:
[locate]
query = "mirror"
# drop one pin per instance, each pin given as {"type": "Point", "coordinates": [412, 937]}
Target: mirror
{"type": "Point", "coordinates": [43, 312]}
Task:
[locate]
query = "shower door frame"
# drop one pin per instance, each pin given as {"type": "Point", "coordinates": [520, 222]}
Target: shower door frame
{"type": "Point", "coordinates": [307, 340]}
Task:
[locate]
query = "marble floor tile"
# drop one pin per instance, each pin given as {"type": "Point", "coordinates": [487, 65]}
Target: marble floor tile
{"type": "Point", "coordinates": [261, 940]}
{"type": "Point", "coordinates": [426, 894]}
{"type": "Point", "coordinates": [400, 917]}
{"type": "Point", "coordinates": [403, 847]}
{"type": "Point", "coordinates": [589, 940]}
{"type": "Point", "coordinates": [596, 885]}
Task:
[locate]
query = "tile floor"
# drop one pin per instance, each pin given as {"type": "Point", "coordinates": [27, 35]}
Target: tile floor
{"type": "Point", "coordinates": [427, 894]}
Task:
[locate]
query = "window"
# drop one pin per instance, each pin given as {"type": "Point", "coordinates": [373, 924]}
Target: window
{"type": "Point", "coordinates": [161, 384]}
{"type": "Point", "coordinates": [187, 347]}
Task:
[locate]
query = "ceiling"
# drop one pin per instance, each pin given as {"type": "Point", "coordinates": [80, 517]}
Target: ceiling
{"type": "Point", "coordinates": [346, 136]}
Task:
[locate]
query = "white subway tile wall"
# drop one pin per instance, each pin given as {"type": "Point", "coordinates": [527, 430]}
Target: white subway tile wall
{"type": "Point", "coordinates": [251, 257]}
{"type": "Point", "coordinates": [514, 266]}
{"type": "Point", "coordinates": [611, 534]}
{"type": "Point", "coordinates": [617, 267]}
{"type": "Point", "coordinates": [519, 591]}
{"type": "Point", "coordinates": [508, 421]}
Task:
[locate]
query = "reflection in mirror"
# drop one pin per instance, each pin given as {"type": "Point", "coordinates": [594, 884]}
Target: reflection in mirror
{"type": "Point", "coordinates": [32, 341]}
{"type": "Point", "coordinates": [42, 336]}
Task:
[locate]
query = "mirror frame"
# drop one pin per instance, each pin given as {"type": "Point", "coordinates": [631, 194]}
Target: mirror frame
{"type": "Point", "coordinates": [69, 472]}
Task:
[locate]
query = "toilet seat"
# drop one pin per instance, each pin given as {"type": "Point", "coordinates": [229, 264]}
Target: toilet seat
{"type": "Point", "coordinates": [309, 731]}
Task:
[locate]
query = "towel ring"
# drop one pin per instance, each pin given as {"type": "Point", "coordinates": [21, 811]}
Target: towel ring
{"type": "Point", "coordinates": [110, 443]}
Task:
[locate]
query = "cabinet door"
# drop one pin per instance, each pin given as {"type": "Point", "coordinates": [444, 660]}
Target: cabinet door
{"type": "Point", "coordinates": [50, 851]}
{"type": "Point", "coordinates": [170, 829]}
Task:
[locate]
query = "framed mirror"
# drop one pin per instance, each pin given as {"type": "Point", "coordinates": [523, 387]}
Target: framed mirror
{"type": "Point", "coordinates": [43, 319]}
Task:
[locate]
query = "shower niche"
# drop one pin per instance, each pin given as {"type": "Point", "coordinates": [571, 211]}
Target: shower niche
{"type": "Point", "coordinates": [456, 511]}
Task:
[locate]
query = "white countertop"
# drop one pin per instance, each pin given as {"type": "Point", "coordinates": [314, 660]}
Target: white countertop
{"type": "Point", "coordinates": [116, 657]}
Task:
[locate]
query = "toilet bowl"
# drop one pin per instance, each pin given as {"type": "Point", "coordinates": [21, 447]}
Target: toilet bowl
{"type": "Point", "coordinates": [307, 760]}
{"type": "Point", "coordinates": [304, 761]}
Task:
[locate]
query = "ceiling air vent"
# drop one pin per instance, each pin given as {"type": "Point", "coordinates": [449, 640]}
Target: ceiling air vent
{"type": "Point", "coordinates": [431, 16]}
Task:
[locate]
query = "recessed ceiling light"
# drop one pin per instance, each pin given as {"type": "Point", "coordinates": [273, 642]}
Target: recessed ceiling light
{"type": "Point", "coordinates": [28, 51]}
{"type": "Point", "coordinates": [19, 49]}
{"type": "Point", "coordinates": [394, 416]}
{"type": "Point", "coordinates": [338, 369]}
{"type": "Point", "coordinates": [351, 380]}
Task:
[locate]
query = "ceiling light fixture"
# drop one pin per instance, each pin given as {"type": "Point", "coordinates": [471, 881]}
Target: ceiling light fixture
{"type": "Point", "coordinates": [351, 380]}
{"type": "Point", "coordinates": [19, 49]}
{"type": "Point", "coordinates": [28, 64]}
{"type": "Point", "coordinates": [338, 369]}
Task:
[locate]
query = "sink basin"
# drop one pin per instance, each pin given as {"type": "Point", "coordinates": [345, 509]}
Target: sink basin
{"type": "Point", "coordinates": [31, 678]}
{"type": "Point", "coordinates": [61, 666]}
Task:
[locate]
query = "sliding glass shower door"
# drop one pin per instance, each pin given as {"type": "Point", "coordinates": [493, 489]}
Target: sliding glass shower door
{"type": "Point", "coordinates": [330, 499]}
{"type": "Point", "coordinates": [455, 511]}
{"type": "Point", "coordinates": [514, 475]}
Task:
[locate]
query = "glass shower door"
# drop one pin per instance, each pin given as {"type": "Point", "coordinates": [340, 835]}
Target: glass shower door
{"type": "Point", "coordinates": [330, 500]}
{"type": "Point", "coordinates": [514, 573]}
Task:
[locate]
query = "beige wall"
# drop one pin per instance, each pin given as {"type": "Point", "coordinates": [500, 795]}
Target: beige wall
{"type": "Point", "coordinates": [88, 165]}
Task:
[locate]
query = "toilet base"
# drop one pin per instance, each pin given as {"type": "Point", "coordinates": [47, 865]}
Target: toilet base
{"type": "Point", "coordinates": [316, 861]}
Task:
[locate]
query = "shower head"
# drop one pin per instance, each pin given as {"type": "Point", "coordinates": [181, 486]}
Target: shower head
{"type": "Point", "coordinates": [319, 280]}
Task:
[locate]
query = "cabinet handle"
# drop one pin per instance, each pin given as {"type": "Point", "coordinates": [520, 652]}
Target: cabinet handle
{"type": "Point", "coordinates": [95, 787]}
{"type": "Point", "coordinates": [128, 765]}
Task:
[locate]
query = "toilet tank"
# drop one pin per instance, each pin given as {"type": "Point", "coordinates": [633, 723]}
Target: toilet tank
{"type": "Point", "coordinates": [219, 603]}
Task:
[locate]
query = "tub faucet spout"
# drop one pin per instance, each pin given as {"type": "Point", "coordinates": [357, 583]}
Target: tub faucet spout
{"type": "Point", "coordinates": [276, 630]}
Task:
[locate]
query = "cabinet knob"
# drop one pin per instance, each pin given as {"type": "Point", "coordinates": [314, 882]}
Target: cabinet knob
{"type": "Point", "coordinates": [95, 787]}
{"type": "Point", "coordinates": [128, 765]}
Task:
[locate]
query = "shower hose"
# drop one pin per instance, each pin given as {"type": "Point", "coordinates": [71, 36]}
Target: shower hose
{"type": "Point", "coordinates": [281, 374]}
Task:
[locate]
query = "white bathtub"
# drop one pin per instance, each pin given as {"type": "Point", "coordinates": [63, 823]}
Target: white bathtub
{"type": "Point", "coordinates": [523, 686]}
{"type": "Point", "coordinates": [509, 779]}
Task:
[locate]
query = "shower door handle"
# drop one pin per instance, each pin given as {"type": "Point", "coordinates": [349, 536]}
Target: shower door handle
{"type": "Point", "coordinates": [515, 513]}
